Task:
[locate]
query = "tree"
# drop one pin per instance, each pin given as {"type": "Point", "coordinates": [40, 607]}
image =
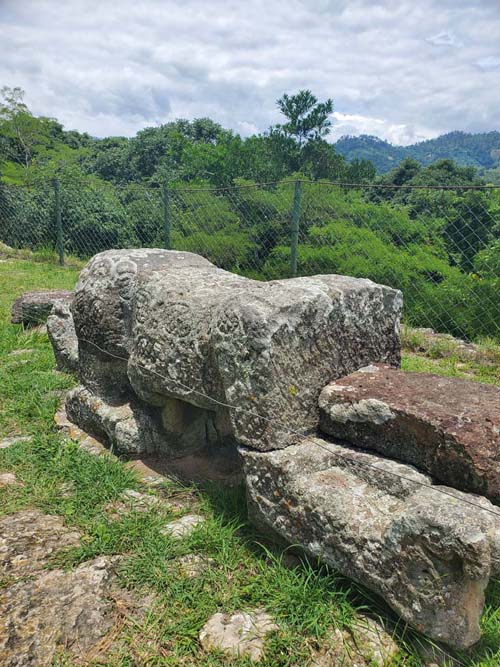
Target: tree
{"type": "Point", "coordinates": [21, 132]}
{"type": "Point", "coordinates": [307, 119]}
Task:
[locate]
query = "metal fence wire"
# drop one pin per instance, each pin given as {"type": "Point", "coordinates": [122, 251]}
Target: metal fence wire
{"type": "Point", "coordinates": [439, 245]}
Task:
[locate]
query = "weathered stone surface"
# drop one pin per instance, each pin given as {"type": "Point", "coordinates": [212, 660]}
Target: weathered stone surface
{"type": "Point", "coordinates": [57, 610]}
{"type": "Point", "coordinates": [46, 613]}
{"type": "Point", "coordinates": [179, 328]}
{"type": "Point", "coordinates": [182, 527]}
{"type": "Point", "coordinates": [5, 443]}
{"type": "Point", "coordinates": [34, 307]}
{"type": "Point", "coordinates": [381, 523]}
{"type": "Point", "coordinates": [194, 565]}
{"type": "Point", "coordinates": [365, 644]}
{"type": "Point", "coordinates": [28, 539]}
{"type": "Point", "coordinates": [61, 332]}
{"type": "Point", "coordinates": [103, 311]}
{"type": "Point", "coordinates": [9, 479]}
{"type": "Point", "coordinates": [240, 634]}
{"type": "Point", "coordinates": [447, 427]}
{"type": "Point", "coordinates": [135, 428]}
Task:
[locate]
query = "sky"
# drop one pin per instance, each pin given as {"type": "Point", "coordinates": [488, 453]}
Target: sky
{"type": "Point", "coordinates": [403, 70]}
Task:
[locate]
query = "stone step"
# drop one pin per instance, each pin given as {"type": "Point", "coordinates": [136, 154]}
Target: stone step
{"type": "Point", "coordinates": [446, 427]}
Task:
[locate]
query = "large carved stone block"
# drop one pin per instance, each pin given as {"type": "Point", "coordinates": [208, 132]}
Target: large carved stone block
{"type": "Point", "coordinates": [162, 324]}
{"type": "Point", "coordinates": [383, 524]}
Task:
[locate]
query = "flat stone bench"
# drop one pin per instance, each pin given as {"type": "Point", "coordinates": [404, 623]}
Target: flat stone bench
{"type": "Point", "coordinates": [447, 427]}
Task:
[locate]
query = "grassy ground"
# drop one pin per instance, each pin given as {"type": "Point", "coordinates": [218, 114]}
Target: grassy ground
{"type": "Point", "coordinates": [60, 478]}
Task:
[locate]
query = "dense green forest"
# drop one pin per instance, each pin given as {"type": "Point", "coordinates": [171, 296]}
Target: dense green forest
{"type": "Point", "coordinates": [473, 150]}
{"type": "Point", "coordinates": [440, 246]}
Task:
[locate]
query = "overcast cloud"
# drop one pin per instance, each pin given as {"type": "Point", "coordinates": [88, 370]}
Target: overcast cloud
{"type": "Point", "coordinates": [402, 70]}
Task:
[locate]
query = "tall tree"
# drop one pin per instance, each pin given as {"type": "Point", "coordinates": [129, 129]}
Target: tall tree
{"type": "Point", "coordinates": [307, 119]}
{"type": "Point", "coordinates": [21, 132]}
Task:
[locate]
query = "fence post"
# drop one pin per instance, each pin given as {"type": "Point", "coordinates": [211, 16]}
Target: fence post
{"type": "Point", "coordinates": [59, 229]}
{"type": "Point", "coordinates": [166, 214]}
{"type": "Point", "coordinates": [295, 227]}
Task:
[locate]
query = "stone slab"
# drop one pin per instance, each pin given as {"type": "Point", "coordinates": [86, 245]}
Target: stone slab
{"type": "Point", "coordinates": [447, 427]}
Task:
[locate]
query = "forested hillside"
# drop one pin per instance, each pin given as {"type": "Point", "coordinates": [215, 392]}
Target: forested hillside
{"type": "Point", "coordinates": [441, 247]}
{"type": "Point", "coordinates": [476, 150]}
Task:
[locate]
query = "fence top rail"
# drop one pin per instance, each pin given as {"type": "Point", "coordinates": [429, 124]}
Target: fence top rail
{"type": "Point", "coordinates": [250, 186]}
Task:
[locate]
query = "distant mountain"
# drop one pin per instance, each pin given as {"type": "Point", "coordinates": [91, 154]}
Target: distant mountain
{"type": "Point", "coordinates": [477, 150]}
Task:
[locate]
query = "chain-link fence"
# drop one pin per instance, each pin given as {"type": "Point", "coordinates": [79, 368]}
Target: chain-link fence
{"type": "Point", "coordinates": [439, 245]}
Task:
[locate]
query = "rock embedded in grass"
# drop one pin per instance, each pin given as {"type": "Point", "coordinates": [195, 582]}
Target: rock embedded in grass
{"type": "Point", "coordinates": [239, 634]}
{"type": "Point", "coordinates": [9, 479]}
{"type": "Point", "coordinates": [14, 440]}
{"type": "Point", "coordinates": [194, 565]}
{"type": "Point", "coordinates": [20, 352]}
{"type": "Point", "coordinates": [182, 527]}
{"type": "Point", "coordinates": [29, 538]}
{"type": "Point", "coordinates": [70, 609]}
{"type": "Point", "coordinates": [365, 643]}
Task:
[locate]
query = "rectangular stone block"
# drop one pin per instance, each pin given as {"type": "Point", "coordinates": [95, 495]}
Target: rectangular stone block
{"type": "Point", "coordinates": [383, 524]}
{"type": "Point", "coordinates": [447, 427]}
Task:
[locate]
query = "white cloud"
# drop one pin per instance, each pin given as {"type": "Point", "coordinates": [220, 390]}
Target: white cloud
{"type": "Point", "coordinates": [403, 71]}
{"type": "Point", "coordinates": [490, 62]}
{"type": "Point", "coordinates": [399, 134]}
{"type": "Point", "coordinates": [444, 39]}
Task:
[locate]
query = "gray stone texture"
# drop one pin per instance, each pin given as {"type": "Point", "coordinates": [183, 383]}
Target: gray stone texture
{"type": "Point", "coordinates": [179, 328]}
{"type": "Point", "coordinates": [33, 308]}
{"type": "Point", "coordinates": [239, 634]}
{"type": "Point", "coordinates": [447, 427]}
{"type": "Point", "coordinates": [379, 522]}
{"type": "Point", "coordinates": [62, 335]}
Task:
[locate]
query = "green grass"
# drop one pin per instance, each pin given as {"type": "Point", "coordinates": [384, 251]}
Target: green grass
{"type": "Point", "coordinates": [59, 478]}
